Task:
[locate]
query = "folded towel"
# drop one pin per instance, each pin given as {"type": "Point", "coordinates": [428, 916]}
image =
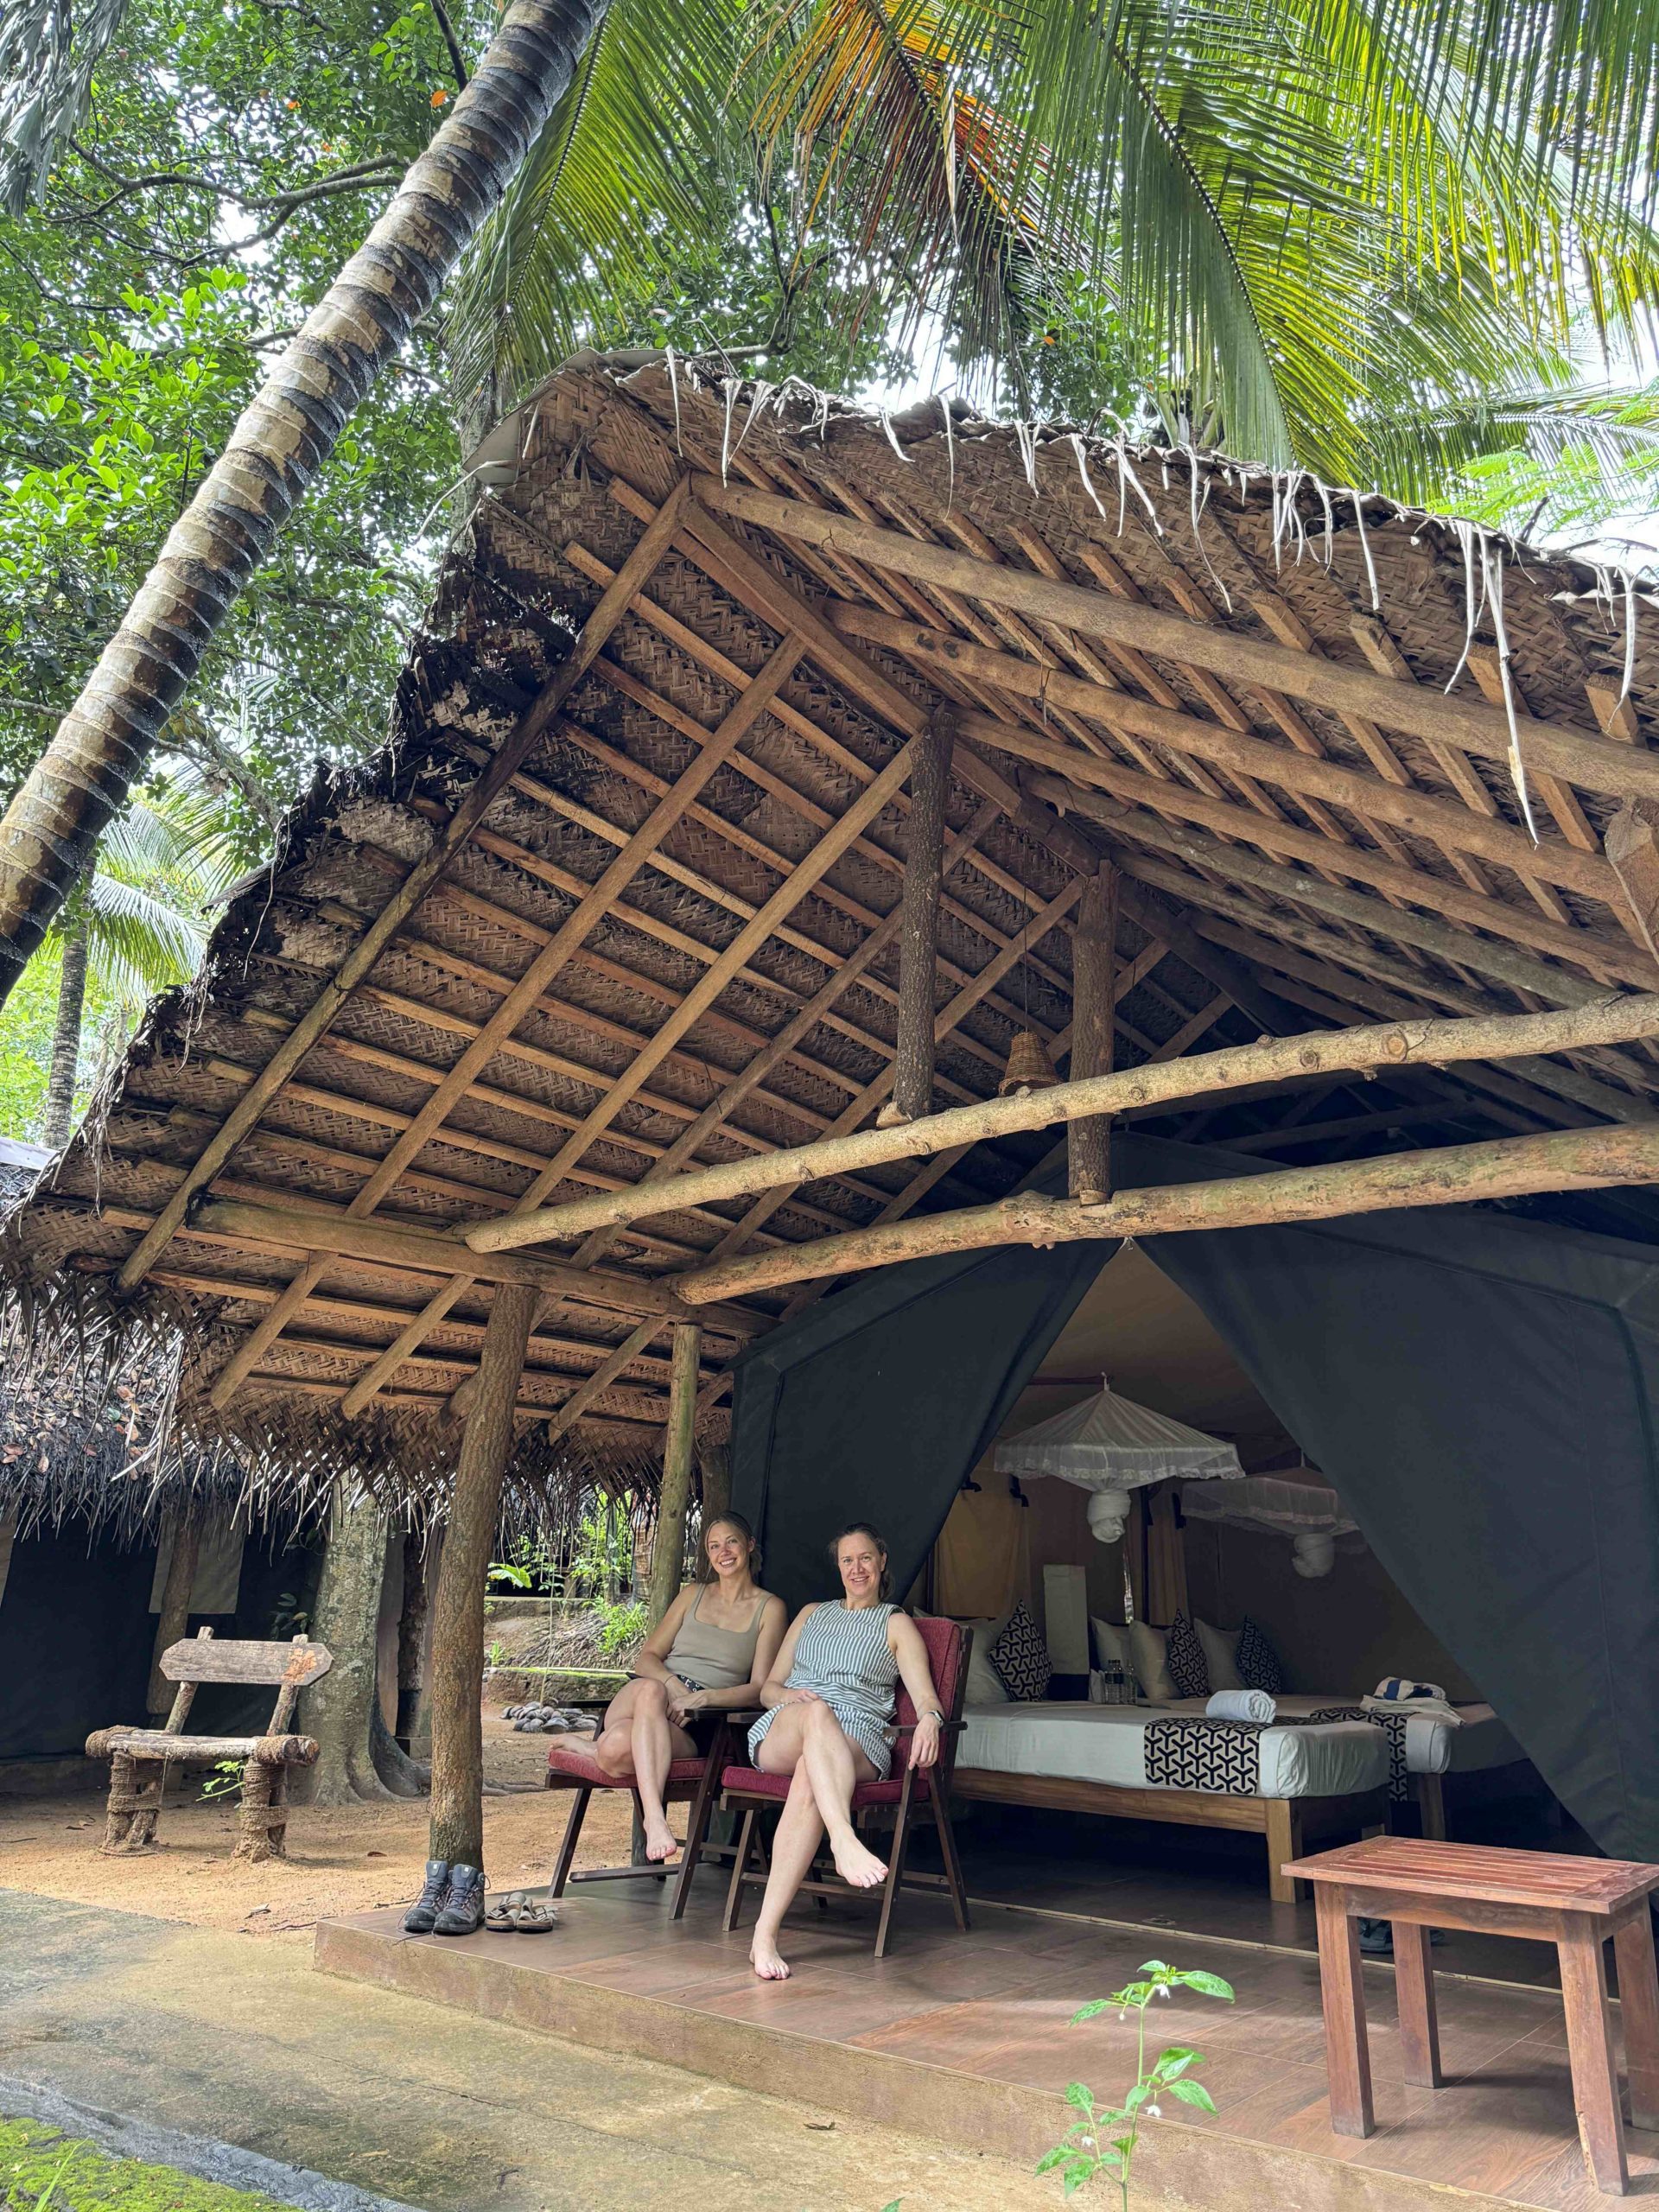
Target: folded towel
{"type": "Point", "coordinates": [1415, 1708]}
{"type": "Point", "coordinates": [1396, 1690]}
{"type": "Point", "coordinates": [1242, 1705]}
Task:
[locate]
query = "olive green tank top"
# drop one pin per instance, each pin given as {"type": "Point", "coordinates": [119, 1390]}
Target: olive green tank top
{"type": "Point", "coordinates": [714, 1658]}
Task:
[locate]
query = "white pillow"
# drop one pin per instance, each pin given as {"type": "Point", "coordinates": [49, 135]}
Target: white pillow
{"type": "Point", "coordinates": [984, 1685]}
{"type": "Point", "coordinates": [1220, 1646]}
{"type": "Point", "coordinates": [1148, 1648]}
{"type": "Point", "coordinates": [1111, 1642]}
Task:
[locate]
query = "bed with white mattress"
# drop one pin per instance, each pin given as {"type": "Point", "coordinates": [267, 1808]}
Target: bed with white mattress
{"type": "Point", "coordinates": [1294, 1784]}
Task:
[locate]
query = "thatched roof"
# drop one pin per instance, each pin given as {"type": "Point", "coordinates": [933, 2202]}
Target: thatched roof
{"type": "Point", "coordinates": [1294, 857]}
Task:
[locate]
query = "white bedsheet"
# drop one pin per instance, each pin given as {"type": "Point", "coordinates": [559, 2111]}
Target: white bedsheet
{"type": "Point", "coordinates": [1107, 1743]}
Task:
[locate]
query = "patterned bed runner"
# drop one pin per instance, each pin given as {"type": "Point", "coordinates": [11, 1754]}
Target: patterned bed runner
{"type": "Point", "coordinates": [1224, 1756]}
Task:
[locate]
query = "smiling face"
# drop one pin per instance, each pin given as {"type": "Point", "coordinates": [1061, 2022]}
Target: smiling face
{"type": "Point", "coordinates": [728, 1550]}
{"type": "Point", "coordinates": [862, 1563]}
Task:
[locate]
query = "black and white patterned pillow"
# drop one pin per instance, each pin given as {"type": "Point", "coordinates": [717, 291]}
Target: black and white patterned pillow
{"type": "Point", "coordinates": [1258, 1663]}
{"type": "Point", "coordinates": [1021, 1658]}
{"type": "Point", "coordinates": [1184, 1656]}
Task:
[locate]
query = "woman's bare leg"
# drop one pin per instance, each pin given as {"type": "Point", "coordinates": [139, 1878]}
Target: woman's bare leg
{"type": "Point", "coordinates": [799, 1829]}
{"type": "Point", "coordinates": [637, 1742]}
{"type": "Point", "coordinates": [835, 1764]}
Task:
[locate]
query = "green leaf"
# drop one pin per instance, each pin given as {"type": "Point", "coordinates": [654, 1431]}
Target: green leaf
{"type": "Point", "coordinates": [1082, 2097]}
{"type": "Point", "coordinates": [1192, 2093]}
{"type": "Point", "coordinates": [1207, 1985]}
{"type": "Point", "coordinates": [1092, 2011]}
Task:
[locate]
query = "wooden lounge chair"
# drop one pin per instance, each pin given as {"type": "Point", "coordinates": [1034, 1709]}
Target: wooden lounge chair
{"type": "Point", "coordinates": [139, 1757]}
{"type": "Point", "coordinates": [690, 1781]}
{"type": "Point", "coordinates": [913, 1795]}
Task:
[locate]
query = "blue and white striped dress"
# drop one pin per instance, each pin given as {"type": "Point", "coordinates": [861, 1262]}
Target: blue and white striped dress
{"type": "Point", "coordinates": [844, 1656]}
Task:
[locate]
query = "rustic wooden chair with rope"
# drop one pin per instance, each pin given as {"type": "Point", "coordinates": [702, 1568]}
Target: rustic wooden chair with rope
{"type": "Point", "coordinates": [913, 1796]}
{"type": "Point", "coordinates": [140, 1757]}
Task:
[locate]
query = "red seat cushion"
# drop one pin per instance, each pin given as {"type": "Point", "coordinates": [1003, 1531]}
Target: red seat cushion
{"type": "Point", "coordinates": [750, 1782]}
{"type": "Point", "coordinates": [578, 1765]}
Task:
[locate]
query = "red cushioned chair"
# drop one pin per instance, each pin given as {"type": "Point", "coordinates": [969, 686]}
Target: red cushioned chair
{"type": "Point", "coordinates": [690, 1781]}
{"type": "Point", "coordinates": [913, 1796]}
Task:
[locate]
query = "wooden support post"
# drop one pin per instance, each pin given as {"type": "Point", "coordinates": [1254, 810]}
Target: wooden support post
{"type": "Point", "coordinates": [457, 1833]}
{"type": "Point", "coordinates": [1632, 849]}
{"type": "Point", "coordinates": [175, 1603]}
{"type": "Point", "coordinates": [679, 1450]}
{"type": "Point", "coordinates": [919, 942]}
{"type": "Point", "coordinates": [1094, 953]}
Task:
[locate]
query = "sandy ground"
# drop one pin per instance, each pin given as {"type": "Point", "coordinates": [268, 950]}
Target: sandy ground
{"type": "Point", "coordinates": [349, 1859]}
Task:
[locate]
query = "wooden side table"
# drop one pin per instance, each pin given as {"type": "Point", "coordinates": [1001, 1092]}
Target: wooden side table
{"type": "Point", "coordinates": [1575, 1904]}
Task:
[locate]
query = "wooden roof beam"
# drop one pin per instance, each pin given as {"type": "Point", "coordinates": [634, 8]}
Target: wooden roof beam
{"type": "Point", "coordinates": [1613, 1020]}
{"type": "Point", "coordinates": [1301, 773]}
{"type": "Point", "coordinates": [1578, 756]}
{"type": "Point", "coordinates": [1457, 1175]}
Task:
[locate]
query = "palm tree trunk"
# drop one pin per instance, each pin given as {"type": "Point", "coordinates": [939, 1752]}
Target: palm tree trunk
{"type": "Point", "coordinates": [283, 437]}
{"type": "Point", "coordinates": [66, 1043]}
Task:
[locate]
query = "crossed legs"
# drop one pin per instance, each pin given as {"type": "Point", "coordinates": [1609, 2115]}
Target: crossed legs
{"type": "Point", "coordinates": [808, 1743]}
{"type": "Point", "coordinates": [636, 1743]}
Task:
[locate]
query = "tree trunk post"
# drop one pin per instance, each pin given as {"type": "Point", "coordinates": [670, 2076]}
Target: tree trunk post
{"type": "Point", "coordinates": [919, 938]}
{"type": "Point", "coordinates": [1094, 960]}
{"type": "Point", "coordinates": [65, 1043]}
{"type": "Point", "coordinates": [458, 1598]}
{"type": "Point", "coordinates": [175, 1603]}
{"type": "Point", "coordinates": [411, 1638]}
{"type": "Point", "coordinates": [679, 1450]}
{"type": "Point", "coordinates": [338, 1708]}
{"type": "Point", "coordinates": [715, 1465]}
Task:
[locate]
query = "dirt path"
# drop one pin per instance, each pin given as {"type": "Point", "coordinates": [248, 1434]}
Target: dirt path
{"type": "Point", "coordinates": [350, 1859]}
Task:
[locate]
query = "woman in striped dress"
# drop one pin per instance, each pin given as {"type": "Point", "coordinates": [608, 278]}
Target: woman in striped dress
{"type": "Point", "coordinates": [829, 1710]}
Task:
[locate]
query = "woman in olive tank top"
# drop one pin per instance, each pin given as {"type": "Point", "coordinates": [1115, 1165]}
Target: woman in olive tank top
{"type": "Point", "coordinates": [709, 1655]}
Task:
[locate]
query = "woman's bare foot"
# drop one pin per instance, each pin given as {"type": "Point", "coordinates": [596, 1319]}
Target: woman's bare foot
{"type": "Point", "coordinates": [660, 1842]}
{"type": "Point", "coordinates": [856, 1864]}
{"type": "Point", "coordinates": [764, 1959]}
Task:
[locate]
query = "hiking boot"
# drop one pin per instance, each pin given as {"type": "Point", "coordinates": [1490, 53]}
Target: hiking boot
{"type": "Point", "coordinates": [463, 1911]}
{"type": "Point", "coordinates": [421, 1916]}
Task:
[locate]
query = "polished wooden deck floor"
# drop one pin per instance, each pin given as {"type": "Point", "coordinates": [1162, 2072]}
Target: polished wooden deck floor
{"type": "Point", "coordinates": [970, 2036]}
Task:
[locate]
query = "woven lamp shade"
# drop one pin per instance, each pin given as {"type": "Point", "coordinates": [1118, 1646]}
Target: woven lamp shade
{"type": "Point", "coordinates": [1029, 1066]}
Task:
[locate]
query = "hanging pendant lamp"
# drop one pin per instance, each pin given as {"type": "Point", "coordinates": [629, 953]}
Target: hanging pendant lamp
{"type": "Point", "coordinates": [1029, 1066]}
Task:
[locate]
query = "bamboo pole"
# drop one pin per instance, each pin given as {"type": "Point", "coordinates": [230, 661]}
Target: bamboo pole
{"type": "Point", "coordinates": [1094, 952]}
{"type": "Point", "coordinates": [1303, 774]}
{"type": "Point", "coordinates": [1578, 756]}
{"type": "Point", "coordinates": [457, 1833]}
{"type": "Point", "coordinates": [1617, 1018]}
{"type": "Point", "coordinates": [1457, 1175]}
{"type": "Point", "coordinates": [599, 1381]}
{"type": "Point", "coordinates": [679, 1451]}
{"type": "Point", "coordinates": [918, 940]}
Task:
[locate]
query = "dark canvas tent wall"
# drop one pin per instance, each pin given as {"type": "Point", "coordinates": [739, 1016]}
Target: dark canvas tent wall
{"type": "Point", "coordinates": [1480, 1389]}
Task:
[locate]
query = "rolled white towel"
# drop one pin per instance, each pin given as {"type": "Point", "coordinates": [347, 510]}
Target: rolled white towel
{"type": "Point", "coordinates": [1242, 1705]}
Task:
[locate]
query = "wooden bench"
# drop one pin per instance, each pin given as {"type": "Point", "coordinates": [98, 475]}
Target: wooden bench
{"type": "Point", "coordinates": [139, 1757]}
{"type": "Point", "coordinates": [1575, 1904]}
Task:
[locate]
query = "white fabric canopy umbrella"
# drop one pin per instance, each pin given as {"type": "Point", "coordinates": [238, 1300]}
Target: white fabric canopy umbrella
{"type": "Point", "coordinates": [1111, 1445]}
{"type": "Point", "coordinates": [1310, 1514]}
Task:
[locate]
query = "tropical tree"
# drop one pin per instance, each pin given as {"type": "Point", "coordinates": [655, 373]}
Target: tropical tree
{"type": "Point", "coordinates": [135, 925]}
{"type": "Point", "coordinates": [1319, 230]}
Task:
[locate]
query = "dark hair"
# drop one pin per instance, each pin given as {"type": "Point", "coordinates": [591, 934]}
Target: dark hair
{"type": "Point", "coordinates": [705, 1568]}
{"type": "Point", "coordinates": [863, 1529]}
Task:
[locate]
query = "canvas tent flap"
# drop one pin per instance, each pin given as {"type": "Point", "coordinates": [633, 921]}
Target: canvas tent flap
{"type": "Point", "coordinates": [1480, 1390]}
{"type": "Point", "coordinates": [876, 1403]}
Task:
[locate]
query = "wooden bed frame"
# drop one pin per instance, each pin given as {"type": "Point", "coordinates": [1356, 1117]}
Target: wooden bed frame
{"type": "Point", "coordinates": [1287, 1824]}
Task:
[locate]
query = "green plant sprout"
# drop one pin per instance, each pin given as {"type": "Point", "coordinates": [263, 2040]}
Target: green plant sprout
{"type": "Point", "coordinates": [226, 1778]}
{"type": "Point", "coordinates": [1103, 2139]}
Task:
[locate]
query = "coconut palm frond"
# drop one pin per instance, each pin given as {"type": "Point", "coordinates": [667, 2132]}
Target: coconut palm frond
{"type": "Point", "coordinates": [48, 51]}
{"type": "Point", "coordinates": [140, 943]}
{"type": "Point", "coordinates": [632, 172]}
